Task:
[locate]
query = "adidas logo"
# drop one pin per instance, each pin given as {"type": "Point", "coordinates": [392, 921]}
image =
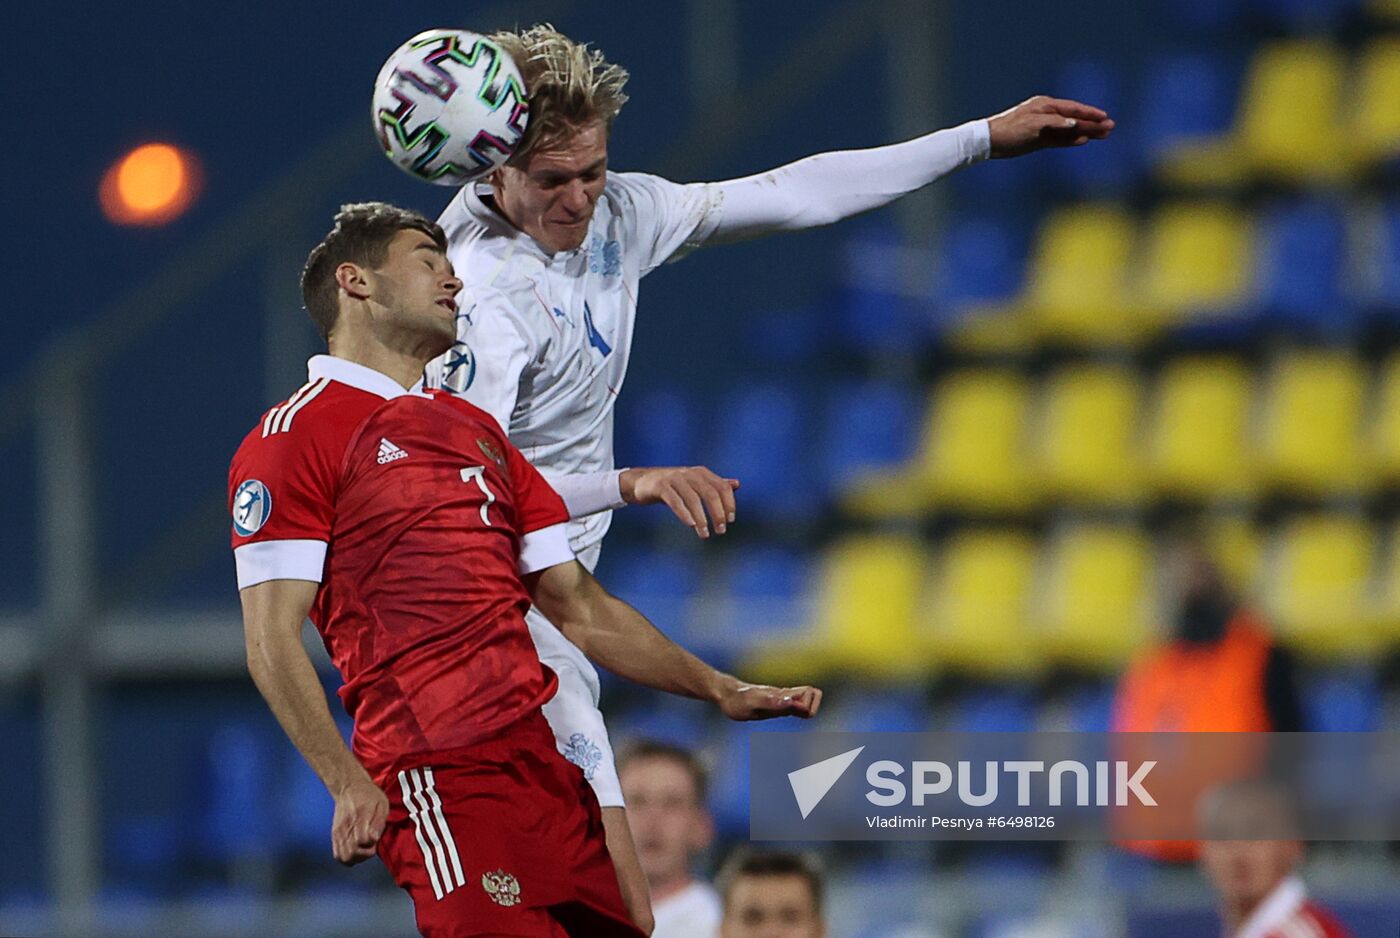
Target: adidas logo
{"type": "Point", "coordinates": [388, 452]}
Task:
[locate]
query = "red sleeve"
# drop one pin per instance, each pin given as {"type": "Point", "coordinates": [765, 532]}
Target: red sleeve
{"type": "Point", "coordinates": [282, 503]}
{"type": "Point", "coordinates": [537, 505]}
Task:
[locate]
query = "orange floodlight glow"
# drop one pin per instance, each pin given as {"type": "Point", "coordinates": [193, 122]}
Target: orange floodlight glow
{"type": "Point", "coordinates": [152, 185]}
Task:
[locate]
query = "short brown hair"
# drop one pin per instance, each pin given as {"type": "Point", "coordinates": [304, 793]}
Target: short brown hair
{"type": "Point", "coordinates": [639, 749]}
{"type": "Point", "coordinates": [362, 233]}
{"type": "Point", "coordinates": [771, 863]}
{"type": "Point", "coordinates": [569, 85]}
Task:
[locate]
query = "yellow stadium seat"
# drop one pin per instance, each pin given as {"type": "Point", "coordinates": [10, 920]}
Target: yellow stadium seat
{"type": "Point", "coordinates": [1387, 611]}
{"type": "Point", "coordinates": [868, 606]}
{"type": "Point", "coordinates": [1374, 131]}
{"type": "Point", "coordinates": [1320, 585]}
{"type": "Point", "coordinates": [1388, 10]}
{"type": "Point", "coordinates": [976, 618]}
{"type": "Point", "coordinates": [1078, 289]}
{"type": "Point", "coordinates": [974, 450]}
{"type": "Point", "coordinates": [1086, 440]}
{"type": "Point", "coordinates": [1311, 429]}
{"type": "Point", "coordinates": [1198, 260]}
{"type": "Point", "coordinates": [1197, 444]}
{"type": "Point", "coordinates": [1384, 435]}
{"type": "Point", "coordinates": [1097, 600]}
{"type": "Point", "coordinates": [1290, 124]}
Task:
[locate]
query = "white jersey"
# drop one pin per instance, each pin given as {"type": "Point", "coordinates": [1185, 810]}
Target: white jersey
{"type": "Point", "coordinates": [548, 353]}
{"type": "Point", "coordinates": [694, 912]}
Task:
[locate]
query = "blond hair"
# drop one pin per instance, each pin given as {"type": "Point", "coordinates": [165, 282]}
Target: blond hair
{"type": "Point", "coordinates": [569, 85]}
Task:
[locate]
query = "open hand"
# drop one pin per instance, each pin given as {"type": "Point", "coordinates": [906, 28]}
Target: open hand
{"type": "Point", "coordinates": [361, 810]}
{"type": "Point", "coordinates": [689, 491]}
{"type": "Point", "coordinates": [1042, 121]}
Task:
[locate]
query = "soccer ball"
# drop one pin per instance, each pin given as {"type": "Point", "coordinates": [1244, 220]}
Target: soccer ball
{"type": "Point", "coordinates": [449, 106]}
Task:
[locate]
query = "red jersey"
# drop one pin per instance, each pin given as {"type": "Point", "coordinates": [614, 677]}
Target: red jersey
{"type": "Point", "coordinates": [418, 518]}
{"type": "Point", "coordinates": [1287, 912]}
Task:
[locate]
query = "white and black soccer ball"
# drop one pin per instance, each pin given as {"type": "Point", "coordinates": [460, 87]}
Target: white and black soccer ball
{"type": "Point", "coordinates": [449, 106]}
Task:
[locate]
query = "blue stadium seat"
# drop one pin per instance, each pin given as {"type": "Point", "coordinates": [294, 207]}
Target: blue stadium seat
{"type": "Point", "coordinates": [763, 442]}
{"type": "Point", "coordinates": [993, 710]}
{"type": "Point", "coordinates": [763, 573]}
{"type": "Point", "coordinates": [143, 851]}
{"type": "Point", "coordinates": [1106, 168]}
{"type": "Point", "coordinates": [869, 426]}
{"type": "Point", "coordinates": [875, 314]}
{"type": "Point", "coordinates": [787, 338]}
{"type": "Point", "coordinates": [1091, 709]}
{"type": "Point", "coordinates": [1300, 269]}
{"type": "Point", "coordinates": [1206, 16]}
{"type": "Point", "coordinates": [238, 823]}
{"type": "Point", "coordinates": [663, 718]}
{"type": "Point", "coordinates": [657, 428]}
{"type": "Point", "coordinates": [305, 808]}
{"type": "Point", "coordinates": [1185, 97]}
{"type": "Point", "coordinates": [883, 711]}
{"type": "Point", "coordinates": [981, 261]}
{"type": "Point", "coordinates": [662, 584]}
{"type": "Point", "coordinates": [1342, 702]}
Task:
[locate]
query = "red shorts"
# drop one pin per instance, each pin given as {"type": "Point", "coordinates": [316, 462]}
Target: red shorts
{"type": "Point", "coordinates": [503, 838]}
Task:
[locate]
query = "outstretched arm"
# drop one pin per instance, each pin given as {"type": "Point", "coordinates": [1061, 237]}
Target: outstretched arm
{"type": "Point", "coordinates": [832, 186]}
{"type": "Point", "coordinates": [273, 613]}
{"type": "Point", "coordinates": [619, 638]}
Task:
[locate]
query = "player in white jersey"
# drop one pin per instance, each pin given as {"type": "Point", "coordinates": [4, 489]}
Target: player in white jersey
{"type": "Point", "coordinates": [552, 249]}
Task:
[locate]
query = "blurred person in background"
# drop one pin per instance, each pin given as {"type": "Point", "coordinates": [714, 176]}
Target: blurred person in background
{"type": "Point", "coordinates": [771, 894]}
{"type": "Point", "coordinates": [566, 242]}
{"type": "Point", "coordinates": [666, 787]}
{"type": "Point", "coordinates": [1261, 892]}
{"type": "Point", "coordinates": [414, 536]}
{"type": "Point", "coordinates": [1219, 671]}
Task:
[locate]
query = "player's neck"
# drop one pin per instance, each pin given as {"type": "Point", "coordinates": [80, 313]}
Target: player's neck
{"type": "Point", "coordinates": [404, 368]}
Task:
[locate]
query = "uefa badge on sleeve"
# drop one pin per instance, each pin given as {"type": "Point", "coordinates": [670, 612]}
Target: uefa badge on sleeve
{"type": "Point", "coordinates": [252, 506]}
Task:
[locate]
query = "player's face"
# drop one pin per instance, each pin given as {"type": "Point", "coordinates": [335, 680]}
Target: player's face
{"type": "Point", "coordinates": [1246, 871]}
{"type": "Point", "coordinates": [552, 197]}
{"type": "Point", "coordinates": [779, 906]}
{"type": "Point", "coordinates": [668, 823]}
{"type": "Point", "coordinates": [417, 289]}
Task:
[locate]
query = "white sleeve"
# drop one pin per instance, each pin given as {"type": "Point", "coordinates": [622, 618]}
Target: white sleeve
{"type": "Point", "coordinates": [828, 187]}
{"type": "Point", "coordinates": [587, 493]}
{"type": "Point", "coordinates": [547, 547]}
{"type": "Point", "coordinates": [279, 560]}
{"type": "Point", "coordinates": [494, 349]}
{"type": "Point", "coordinates": [665, 220]}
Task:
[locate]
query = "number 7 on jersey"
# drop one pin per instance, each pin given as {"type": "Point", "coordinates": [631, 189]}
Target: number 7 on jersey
{"type": "Point", "coordinates": [477, 474]}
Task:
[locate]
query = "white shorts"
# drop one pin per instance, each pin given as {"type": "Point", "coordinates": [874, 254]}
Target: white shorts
{"type": "Point", "coordinates": [573, 712]}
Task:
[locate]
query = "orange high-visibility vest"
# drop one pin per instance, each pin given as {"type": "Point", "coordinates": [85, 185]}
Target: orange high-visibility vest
{"type": "Point", "coordinates": [1183, 687]}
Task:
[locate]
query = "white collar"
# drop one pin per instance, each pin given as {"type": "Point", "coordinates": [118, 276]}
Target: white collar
{"type": "Point", "coordinates": [358, 376]}
{"type": "Point", "coordinates": [1276, 909]}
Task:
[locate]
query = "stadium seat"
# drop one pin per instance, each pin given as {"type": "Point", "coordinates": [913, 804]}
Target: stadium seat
{"type": "Point", "coordinates": [657, 428]}
{"type": "Point", "coordinates": [865, 617]}
{"type": "Point", "coordinates": [1382, 265]}
{"type": "Point", "coordinates": [1207, 16]}
{"type": "Point", "coordinates": [888, 710]}
{"type": "Point", "coordinates": [662, 584]}
{"type": "Point", "coordinates": [1311, 440]}
{"type": "Point", "coordinates": [1374, 132]}
{"type": "Point", "coordinates": [239, 821]}
{"type": "Point", "coordinates": [763, 443]}
{"type": "Point", "coordinates": [877, 314]}
{"type": "Point", "coordinates": [1290, 121]}
{"type": "Point", "coordinates": [1086, 439]}
{"type": "Point", "coordinates": [976, 618]}
{"type": "Point", "coordinates": [1301, 267]}
{"type": "Point", "coordinates": [993, 710]}
{"type": "Point", "coordinates": [1198, 261]}
{"type": "Point", "coordinates": [1236, 546]}
{"type": "Point", "coordinates": [974, 449]}
{"type": "Point", "coordinates": [1341, 701]}
{"type": "Point", "coordinates": [1387, 594]}
{"type": "Point", "coordinates": [1383, 436]}
{"type": "Point", "coordinates": [1097, 599]}
{"type": "Point", "coordinates": [1097, 171]}
{"type": "Point", "coordinates": [1197, 441]}
{"type": "Point", "coordinates": [868, 428]}
{"type": "Point", "coordinates": [1185, 100]}
{"type": "Point", "coordinates": [981, 262]}
{"type": "Point", "coordinates": [1077, 287]}
{"type": "Point", "coordinates": [766, 590]}
{"type": "Point", "coordinates": [1320, 585]}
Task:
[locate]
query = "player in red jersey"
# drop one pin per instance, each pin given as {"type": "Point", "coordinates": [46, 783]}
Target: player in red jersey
{"type": "Point", "coordinates": [1261, 893]}
{"type": "Point", "coordinates": [415, 536]}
